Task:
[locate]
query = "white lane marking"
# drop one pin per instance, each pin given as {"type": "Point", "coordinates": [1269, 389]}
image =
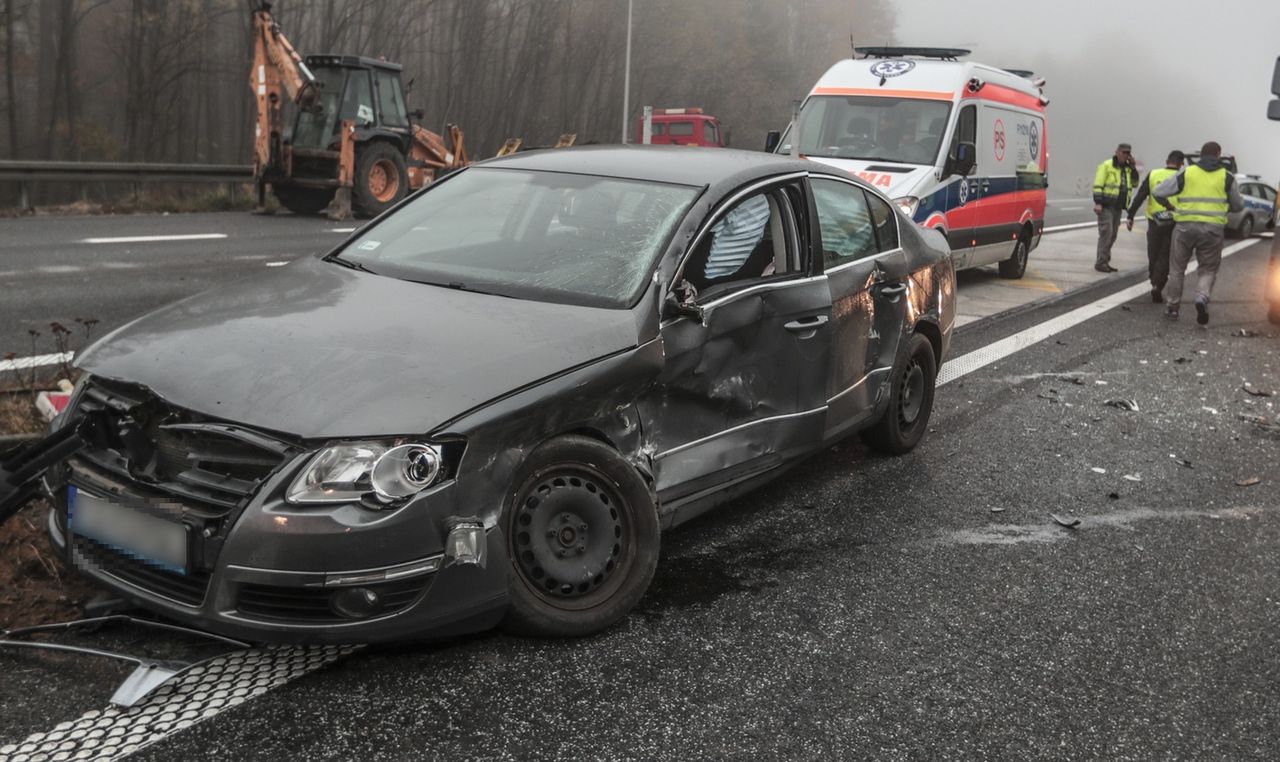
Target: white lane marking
{"type": "Point", "coordinates": [280, 263]}
{"type": "Point", "coordinates": [342, 230]}
{"type": "Point", "coordinates": [194, 697]}
{"type": "Point", "coordinates": [35, 361]}
{"type": "Point", "coordinates": [58, 269]}
{"type": "Point", "coordinates": [1080, 225]}
{"type": "Point", "coordinates": [156, 238]}
{"type": "Point", "coordinates": [251, 257]}
{"type": "Point", "coordinates": [994, 352]}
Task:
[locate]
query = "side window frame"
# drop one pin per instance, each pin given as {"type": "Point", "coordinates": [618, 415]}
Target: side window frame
{"type": "Point", "coordinates": [787, 191]}
{"type": "Point", "coordinates": [881, 248]}
{"type": "Point", "coordinates": [958, 135]}
{"type": "Point", "coordinates": [819, 249]}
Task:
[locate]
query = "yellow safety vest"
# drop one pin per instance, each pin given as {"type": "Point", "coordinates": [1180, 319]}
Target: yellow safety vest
{"type": "Point", "coordinates": [1106, 182]}
{"type": "Point", "coordinates": [1154, 179]}
{"type": "Point", "coordinates": [1203, 197]}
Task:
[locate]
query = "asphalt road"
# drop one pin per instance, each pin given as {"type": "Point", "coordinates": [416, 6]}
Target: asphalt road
{"type": "Point", "coordinates": [921, 607]}
{"type": "Point", "coordinates": [57, 269]}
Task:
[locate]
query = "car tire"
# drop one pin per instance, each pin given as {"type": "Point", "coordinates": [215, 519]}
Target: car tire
{"type": "Point", "coordinates": [301, 200]}
{"type": "Point", "coordinates": [911, 386]}
{"type": "Point", "coordinates": [1246, 227]}
{"type": "Point", "coordinates": [1014, 267]}
{"type": "Point", "coordinates": [582, 539]}
{"type": "Point", "coordinates": [381, 179]}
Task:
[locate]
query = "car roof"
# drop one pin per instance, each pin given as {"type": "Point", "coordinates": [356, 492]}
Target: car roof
{"type": "Point", "coordinates": [681, 165]}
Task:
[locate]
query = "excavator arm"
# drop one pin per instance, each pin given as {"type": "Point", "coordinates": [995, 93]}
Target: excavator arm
{"type": "Point", "coordinates": [278, 73]}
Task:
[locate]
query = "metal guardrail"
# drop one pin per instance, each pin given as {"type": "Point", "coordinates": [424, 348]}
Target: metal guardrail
{"type": "Point", "coordinates": [26, 172]}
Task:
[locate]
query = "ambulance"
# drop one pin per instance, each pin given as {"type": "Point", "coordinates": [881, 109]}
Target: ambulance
{"type": "Point", "coordinates": [960, 147]}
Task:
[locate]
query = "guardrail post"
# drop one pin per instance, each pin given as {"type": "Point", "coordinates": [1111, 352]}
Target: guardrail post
{"type": "Point", "coordinates": [24, 196]}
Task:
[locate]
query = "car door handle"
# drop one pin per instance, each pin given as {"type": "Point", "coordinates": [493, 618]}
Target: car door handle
{"type": "Point", "coordinates": [806, 325]}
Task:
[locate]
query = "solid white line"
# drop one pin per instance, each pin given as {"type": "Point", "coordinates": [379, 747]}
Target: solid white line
{"type": "Point", "coordinates": [342, 230]}
{"type": "Point", "coordinates": [34, 361]}
{"type": "Point", "coordinates": [156, 238]}
{"type": "Point", "coordinates": [966, 364]}
{"type": "Point", "coordinates": [1081, 225]}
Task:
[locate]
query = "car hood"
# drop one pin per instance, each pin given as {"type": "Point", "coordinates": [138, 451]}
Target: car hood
{"type": "Point", "coordinates": [318, 350]}
{"type": "Point", "coordinates": [903, 182]}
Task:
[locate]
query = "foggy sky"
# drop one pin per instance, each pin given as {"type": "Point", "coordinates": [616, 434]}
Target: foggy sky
{"type": "Point", "coordinates": [1159, 75]}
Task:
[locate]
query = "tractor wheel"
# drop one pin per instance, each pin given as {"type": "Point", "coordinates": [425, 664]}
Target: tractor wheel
{"type": "Point", "coordinates": [303, 200]}
{"type": "Point", "coordinates": [380, 181]}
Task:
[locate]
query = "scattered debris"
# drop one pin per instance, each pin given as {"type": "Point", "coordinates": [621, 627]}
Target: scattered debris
{"type": "Point", "coordinates": [1246, 333]}
{"type": "Point", "coordinates": [997, 509]}
{"type": "Point", "coordinates": [1130, 405]}
{"type": "Point", "coordinates": [1252, 480]}
{"type": "Point", "coordinates": [1180, 461]}
{"type": "Point", "coordinates": [1209, 410]}
{"type": "Point", "coordinates": [1250, 389]}
{"type": "Point", "coordinates": [1113, 495]}
{"type": "Point", "coordinates": [1126, 308]}
{"type": "Point", "coordinates": [1100, 382]}
{"type": "Point", "coordinates": [1051, 395]}
{"type": "Point", "coordinates": [1097, 470]}
{"type": "Point", "coordinates": [1068, 523]}
{"type": "Point", "coordinates": [1139, 547]}
{"type": "Point", "coordinates": [1182, 360]}
{"type": "Point", "coordinates": [1262, 423]}
{"type": "Point", "coordinates": [1133, 477]}
{"type": "Point", "coordinates": [1202, 351]}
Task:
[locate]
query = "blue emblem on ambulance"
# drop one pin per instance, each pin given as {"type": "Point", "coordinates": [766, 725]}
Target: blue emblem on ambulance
{"type": "Point", "coordinates": [892, 67]}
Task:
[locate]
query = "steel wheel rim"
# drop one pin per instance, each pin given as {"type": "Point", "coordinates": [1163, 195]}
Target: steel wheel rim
{"type": "Point", "coordinates": [571, 536]}
{"type": "Point", "coordinates": [911, 394]}
{"type": "Point", "coordinates": [384, 181]}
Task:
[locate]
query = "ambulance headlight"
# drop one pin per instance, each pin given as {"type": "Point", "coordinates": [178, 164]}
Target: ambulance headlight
{"type": "Point", "coordinates": [908, 205]}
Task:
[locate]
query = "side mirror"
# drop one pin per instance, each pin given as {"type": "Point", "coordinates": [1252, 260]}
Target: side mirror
{"type": "Point", "coordinates": [1273, 110]}
{"type": "Point", "coordinates": [771, 140]}
{"type": "Point", "coordinates": [681, 304]}
{"type": "Point", "coordinates": [964, 161]}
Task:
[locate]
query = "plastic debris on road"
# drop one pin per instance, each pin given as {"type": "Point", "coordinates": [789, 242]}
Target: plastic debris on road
{"type": "Point", "coordinates": [1180, 461]}
{"type": "Point", "coordinates": [1130, 405]}
{"type": "Point", "coordinates": [1256, 392]}
{"type": "Point", "coordinates": [1068, 523]}
{"type": "Point", "coordinates": [1252, 480]}
{"type": "Point", "coordinates": [1133, 477]}
{"type": "Point", "coordinates": [1097, 470]}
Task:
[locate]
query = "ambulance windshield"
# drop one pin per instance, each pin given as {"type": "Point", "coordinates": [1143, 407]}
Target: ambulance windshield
{"type": "Point", "coordinates": [873, 128]}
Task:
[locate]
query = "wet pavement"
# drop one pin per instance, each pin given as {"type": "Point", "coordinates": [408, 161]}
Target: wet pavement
{"type": "Point", "coordinates": [928, 606]}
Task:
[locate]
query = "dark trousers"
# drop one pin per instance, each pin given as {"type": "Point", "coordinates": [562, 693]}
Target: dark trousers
{"type": "Point", "coordinates": [1159, 241]}
{"type": "Point", "coordinates": [1108, 229]}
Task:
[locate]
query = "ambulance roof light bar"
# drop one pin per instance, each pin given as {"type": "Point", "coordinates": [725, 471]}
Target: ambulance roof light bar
{"type": "Point", "coordinates": [944, 54]}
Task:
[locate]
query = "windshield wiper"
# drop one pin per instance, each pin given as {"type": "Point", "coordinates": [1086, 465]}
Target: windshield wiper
{"type": "Point", "coordinates": [351, 264]}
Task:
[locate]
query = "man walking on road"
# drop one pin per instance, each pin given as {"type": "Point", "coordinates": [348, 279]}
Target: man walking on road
{"type": "Point", "coordinates": [1159, 223]}
{"type": "Point", "coordinates": [1201, 197]}
{"type": "Point", "coordinates": [1113, 185]}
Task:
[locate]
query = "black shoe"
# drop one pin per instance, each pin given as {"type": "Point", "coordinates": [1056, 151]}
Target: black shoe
{"type": "Point", "coordinates": [1202, 313]}
{"type": "Point", "coordinates": [1156, 296]}
{"type": "Point", "coordinates": [1105, 269]}
{"type": "Point", "coordinates": [1171, 313]}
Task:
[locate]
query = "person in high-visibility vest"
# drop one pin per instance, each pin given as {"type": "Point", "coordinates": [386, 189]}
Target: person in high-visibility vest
{"type": "Point", "coordinates": [1159, 223]}
{"type": "Point", "coordinates": [1200, 197]}
{"type": "Point", "coordinates": [1113, 186]}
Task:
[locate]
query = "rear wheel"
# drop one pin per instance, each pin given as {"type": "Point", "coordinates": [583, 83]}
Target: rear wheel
{"type": "Point", "coordinates": [582, 540]}
{"type": "Point", "coordinates": [1246, 227]}
{"type": "Point", "coordinates": [381, 179]}
{"type": "Point", "coordinates": [301, 200]}
{"type": "Point", "coordinates": [911, 387]}
{"type": "Point", "coordinates": [1014, 267]}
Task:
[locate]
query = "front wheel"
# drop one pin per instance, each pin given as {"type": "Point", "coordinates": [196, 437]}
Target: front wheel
{"type": "Point", "coordinates": [911, 387]}
{"type": "Point", "coordinates": [582, 539]}
{"type": "Point", "coordinates": [1246, 228]}
{"type": "Point", "coordinates": [1014, 267]}
{"type": "Point", "coordinates": [381, 179]}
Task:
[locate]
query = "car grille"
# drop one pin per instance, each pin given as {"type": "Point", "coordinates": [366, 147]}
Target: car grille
{"type": "Point", "coordinates": [208, 466]}
{"type": "Point", "coordinates": [187, 589]}
{"type": "Point", "coordinates": [311, 604]}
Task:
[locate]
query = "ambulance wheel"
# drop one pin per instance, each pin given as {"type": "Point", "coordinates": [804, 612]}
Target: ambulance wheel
{"type": "Point", "coordinates": [1014, 267]}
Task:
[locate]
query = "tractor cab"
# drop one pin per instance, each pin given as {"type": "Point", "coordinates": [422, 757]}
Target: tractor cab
{"type": "Point", "coordinates": [363, 90]}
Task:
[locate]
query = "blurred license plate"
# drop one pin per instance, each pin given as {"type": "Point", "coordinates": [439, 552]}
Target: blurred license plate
{"type": "Point", "coordinates": [145, 537]}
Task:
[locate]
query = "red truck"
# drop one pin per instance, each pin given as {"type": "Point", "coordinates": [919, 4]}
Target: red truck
{"type": "Point", "coordinates": [683, 126]}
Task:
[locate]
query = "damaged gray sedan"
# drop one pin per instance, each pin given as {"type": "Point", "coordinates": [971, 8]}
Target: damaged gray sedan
{"type": "Point", "coordinates": [486, 405]}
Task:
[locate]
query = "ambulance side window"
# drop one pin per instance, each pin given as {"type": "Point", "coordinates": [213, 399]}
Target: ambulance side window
{"type": "Point", "coordinates": [966, 128]}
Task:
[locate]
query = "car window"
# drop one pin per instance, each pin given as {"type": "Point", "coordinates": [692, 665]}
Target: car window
{"type": "Point", "coordinates": [885, 220]}
{"type": "Point", "coordinates": [390, 102]}
{"type": "Point", "coordinates": [710, 133]}
{"type": "Point", "coordinates": [1269, 193]}
{"type": "Point", "coordinates": [844, 220]}
{"type": "Point", "coordinates": [966, 128]}
{"type": "Point", "coordinates": [680, 129]}
{"type": "Point", "coordinates": [750, 241]}
{"type": "Point", "coordinates": [545, 236]}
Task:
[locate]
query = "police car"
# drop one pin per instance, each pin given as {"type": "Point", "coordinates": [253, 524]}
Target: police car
{"type": "Point", "coordinates": [961, 147]}
{"type": "Point", "coordinates": [1259, 207]}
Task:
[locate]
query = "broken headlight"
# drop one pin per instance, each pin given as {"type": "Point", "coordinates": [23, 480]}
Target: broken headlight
{"type": "Point", "coordinates": [387, 473]}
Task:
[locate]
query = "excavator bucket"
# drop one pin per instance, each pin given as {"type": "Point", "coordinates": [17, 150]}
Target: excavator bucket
{"type": "Point", "coordinates": [511, 146]}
